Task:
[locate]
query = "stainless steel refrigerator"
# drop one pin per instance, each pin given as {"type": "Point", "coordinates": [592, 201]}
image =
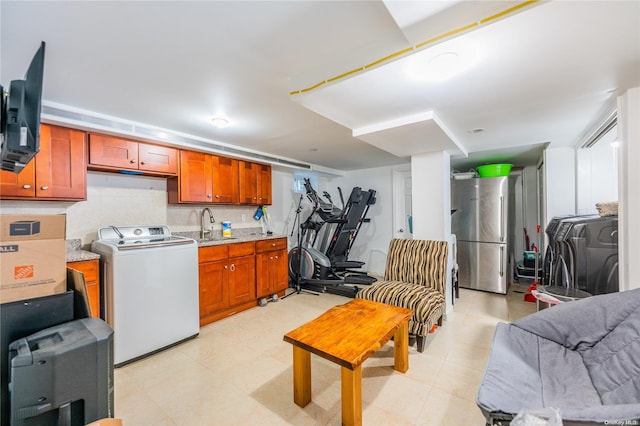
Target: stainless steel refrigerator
{"type": "Point", "coordinates": [479, 219]}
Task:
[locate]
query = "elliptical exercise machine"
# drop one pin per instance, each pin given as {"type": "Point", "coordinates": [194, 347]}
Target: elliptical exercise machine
{"type": "Point", "coordinates": [309, 268]}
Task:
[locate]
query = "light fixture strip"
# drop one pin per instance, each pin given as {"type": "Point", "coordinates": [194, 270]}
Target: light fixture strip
{"type": "Point", "coordinates": [418, 46]}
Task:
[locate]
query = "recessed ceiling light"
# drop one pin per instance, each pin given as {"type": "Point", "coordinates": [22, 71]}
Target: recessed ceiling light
{"type": "Point", "coordinates": [220, 122]}
{"type": "Point", "coordinates": [442, 62]}
{"type": "Point", "coordinates": [476, 130]}
{"type": "Point", "coordinates": [443, 66]}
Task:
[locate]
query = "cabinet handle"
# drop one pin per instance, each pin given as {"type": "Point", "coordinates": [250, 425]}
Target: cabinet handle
{"type": "Point", "coordinates": [276, 257]}
{"type": "Point", "coordinates": [273, 244]}
{"type": "Point", "coordinates": [132, 161]}
{"type": "Point", "coordinates": [225, 266]}
{"type": "Point", "coordinates": [270, 257]}
{"type": "Point", "coordinates": [254, 198]}
{"type": "Point", "coordinates": [208, 195]}
{"type": "Point", "coordinates": [27, 186]}
{"type": "Point", "coordinates": [217, 196]}
{"type": "Point", "coordinates": [142, 162]}
{"type": "Point", "coordinates": [233, 267]}
{"type": "Point", "coordinates": [44, 187]}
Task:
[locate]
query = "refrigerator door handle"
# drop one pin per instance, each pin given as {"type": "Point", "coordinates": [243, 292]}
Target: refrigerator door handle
{"type": "Point", "coordinates": [502, 261]}
{"type": "Point", "coordinates": [501, 218]}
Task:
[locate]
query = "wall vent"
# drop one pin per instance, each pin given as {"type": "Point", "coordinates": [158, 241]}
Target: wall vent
{"type": "Point", "coordinates": [59, 114]}
{"type": "Point", "coordinates": [608, 123]}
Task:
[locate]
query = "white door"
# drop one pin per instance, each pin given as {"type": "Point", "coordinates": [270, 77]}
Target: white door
{"type": "Point", "coordinates": [402, 228]}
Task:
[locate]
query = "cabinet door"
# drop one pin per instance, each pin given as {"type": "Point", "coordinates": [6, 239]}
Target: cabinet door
{"type": "Point", "coordinates": [61, 168]}
{"type": "Point", "coordinates": [159, 159]}
{"type": "Point", "coordinates": [263, 274]}
{"type": "Point", "coordinates": [112, 152]}
{"type": "Point", "coordinates": [242, 280]}
{"type": "Point", "coordinates": [225, 180]}
{"type": "Point", "coordinates": [19, 185]}
{"type": "Point", "coordinates": [278, 271]}
{"type": "Point", "coordinates": [264, 184]}
{"type": "Point", "coordinates": [271, 272]}
{"type": "Point", "coordinates": [214, 294]}
{"type": "Point", "coordinates": [248, 182]}
{"type": "Point", "coordinates": [196, 183]}
{"type": "Point", "coordinates": [90, 270]}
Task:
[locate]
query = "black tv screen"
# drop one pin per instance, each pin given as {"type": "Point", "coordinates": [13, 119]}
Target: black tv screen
{"type": "Point", "coordinates": [21, 126]}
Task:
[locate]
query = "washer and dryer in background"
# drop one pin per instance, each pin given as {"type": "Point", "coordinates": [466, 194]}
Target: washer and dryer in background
{"type": "Point", "coordinates": [583, 253]}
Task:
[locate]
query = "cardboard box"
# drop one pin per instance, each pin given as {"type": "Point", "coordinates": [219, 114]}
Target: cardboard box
{"type": "Point", "coordinates": [32, 256]}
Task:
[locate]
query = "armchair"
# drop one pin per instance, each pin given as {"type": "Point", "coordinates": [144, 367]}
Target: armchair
{"type": "Point", "coordinates": [414, 278]}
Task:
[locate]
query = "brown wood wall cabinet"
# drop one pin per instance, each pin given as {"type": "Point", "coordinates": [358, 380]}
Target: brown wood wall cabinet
{"type": "Point", "coordinates": [255, 183]}
{"type": "Point", "coordinates": [194, 183]}
{"type": "Point", "coordinates": [232, 277]}
{"type": "Point", "coordinates": [271, 267]}
{"type": "Point", "coordinates": [113, 154]}
{"type": "Point", "coordinates": [57, 172]}
{"type": "Point", "coordinates": [90, 270]}
{"type": "Point", "coordinates": [225, 180]}
{"type": "Point", "coordinates": [213, 179]}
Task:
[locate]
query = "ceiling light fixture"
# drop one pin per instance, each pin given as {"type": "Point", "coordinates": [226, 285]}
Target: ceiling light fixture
{"type": "Point", "coordinates": [442, 66]}
{"type": "Point", "coordinates": [220, 122]}
{"type": "Point", "coordinates": [443, 62]}
{"type": "Point", "coordinates": [476, 130]}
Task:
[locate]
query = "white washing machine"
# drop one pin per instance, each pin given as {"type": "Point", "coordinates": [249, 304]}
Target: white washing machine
{"type": "Point", "coordinates": [149, 288]}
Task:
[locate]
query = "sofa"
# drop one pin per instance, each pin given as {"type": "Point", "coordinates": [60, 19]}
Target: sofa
{"type": "Point", "coordinates": [581, 358]}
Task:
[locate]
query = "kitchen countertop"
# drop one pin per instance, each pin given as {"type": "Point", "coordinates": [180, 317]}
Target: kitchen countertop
{"type": "Point", "coordinates": [75, 253]}
{"type": "Point", "coordinates": [238, 237]}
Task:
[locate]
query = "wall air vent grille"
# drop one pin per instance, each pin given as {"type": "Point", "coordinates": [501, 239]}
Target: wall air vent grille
{"type": "Point", "coordinates": [88, 121]}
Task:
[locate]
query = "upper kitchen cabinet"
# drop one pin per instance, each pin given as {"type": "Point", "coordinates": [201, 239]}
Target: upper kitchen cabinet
{"type": "Point", "coordinates": [225, 180]}
{"type": "Point", "coordinates": [113, 154]}
{"type": "Point", "coordinates": [57, 172]}
{"type": "Point", "coordinates": [205, 179]}
{"type": "Point", "coordinates": [255, 183]}
{"type": "Point", "coordinates": [194, 183]}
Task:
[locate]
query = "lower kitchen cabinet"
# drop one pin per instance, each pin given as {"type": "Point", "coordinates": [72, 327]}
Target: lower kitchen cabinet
{"type": "Point", "coordinates": [91, 276]}
{"type": "Point", "coordinates": [271, 267]}
{"type": "Point", "coordinates": [227, 280]}
{"type": "Point", "coordinates": [214, 294]}
{"type": "Point", "coordinates": [242, 280]}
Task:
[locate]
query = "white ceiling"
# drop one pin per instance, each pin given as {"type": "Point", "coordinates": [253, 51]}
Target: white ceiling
{"type": "Point", "coordinates": [547, 73]}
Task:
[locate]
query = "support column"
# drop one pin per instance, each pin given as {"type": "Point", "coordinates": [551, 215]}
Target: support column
{"type": "Point", "coordinates": [431, 198]}
{"type": "Point", "coordinates": [629, 196]}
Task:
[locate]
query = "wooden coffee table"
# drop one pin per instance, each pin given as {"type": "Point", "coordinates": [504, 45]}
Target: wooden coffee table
{"type": "Point", "coordinates": [347, 334]}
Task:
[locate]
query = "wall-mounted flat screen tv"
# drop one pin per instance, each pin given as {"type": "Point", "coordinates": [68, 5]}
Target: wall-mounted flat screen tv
{"type": "Point", "coordinates": [20, 125]}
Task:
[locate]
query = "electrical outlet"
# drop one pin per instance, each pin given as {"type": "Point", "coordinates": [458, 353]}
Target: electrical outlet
{"type": "Point", "coordinates": [244, 218]}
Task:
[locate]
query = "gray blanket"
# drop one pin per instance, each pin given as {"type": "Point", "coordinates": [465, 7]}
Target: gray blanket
{"type": "Point", "coordinates": [582, 358]}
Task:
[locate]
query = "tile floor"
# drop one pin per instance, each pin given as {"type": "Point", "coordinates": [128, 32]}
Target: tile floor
{"type": "Point", "coordinates": [239, 371]}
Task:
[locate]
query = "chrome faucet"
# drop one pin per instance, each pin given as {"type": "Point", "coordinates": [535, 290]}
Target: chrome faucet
{"type": "Point", "coordinates": [203, 229]}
